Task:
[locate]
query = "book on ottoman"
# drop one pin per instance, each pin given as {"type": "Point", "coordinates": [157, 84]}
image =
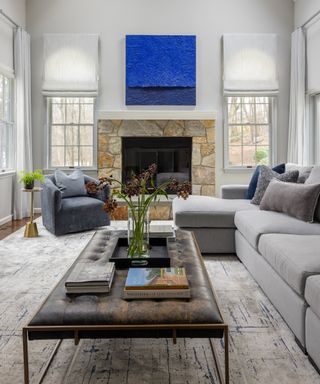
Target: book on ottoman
{"type": "Point", "coordinates": [156, 283]}
{"type": "Point", "coordinates": [90, 278]}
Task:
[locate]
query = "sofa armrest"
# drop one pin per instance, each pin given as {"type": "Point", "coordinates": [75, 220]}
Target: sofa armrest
{"type": "Point", "coordinates": [234, 191]}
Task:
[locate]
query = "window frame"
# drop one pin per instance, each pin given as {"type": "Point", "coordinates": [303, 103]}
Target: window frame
{"type": "Point", "coordinates": [312, 125]}
{"type": "Point", "coordinates": [273, 102]}
{"type": "Point", "coordinates": [9, 123]}
{"type": "Point", "coordinates": [49, 166]}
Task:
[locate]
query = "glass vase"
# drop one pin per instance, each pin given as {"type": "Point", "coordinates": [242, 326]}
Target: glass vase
{"type": "Point", "coordinates": [138, 232]}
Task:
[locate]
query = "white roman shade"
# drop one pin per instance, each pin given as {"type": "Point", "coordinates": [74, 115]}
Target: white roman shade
{"type": "Point", "coordinates": [250, 63]}
{"type": "Point", "coordinates": [6, 49]}
{"type": "Point", "coordinates": [70, 65]}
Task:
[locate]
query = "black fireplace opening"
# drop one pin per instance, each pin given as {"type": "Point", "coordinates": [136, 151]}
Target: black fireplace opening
{"type": "Point", "coordinates": [172, 155]}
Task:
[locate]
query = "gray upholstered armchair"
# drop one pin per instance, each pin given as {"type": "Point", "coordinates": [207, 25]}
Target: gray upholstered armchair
{"type": "Point", "coordinates": [71, 214]}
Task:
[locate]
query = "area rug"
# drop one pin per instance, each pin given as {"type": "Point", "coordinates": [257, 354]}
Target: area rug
{"type": "Point", "coordinates": [262, 348]}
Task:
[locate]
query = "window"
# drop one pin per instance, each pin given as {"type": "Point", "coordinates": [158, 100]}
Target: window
{"type": "Point", "coordinates": [6, 123]}
{"type": "Point", "coordinates": [248, 131]}
{"type": "Point", "coordinates": [71, 132]}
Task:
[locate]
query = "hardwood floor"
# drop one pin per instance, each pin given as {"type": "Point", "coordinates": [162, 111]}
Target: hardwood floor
{"type": "Point", "coordinates": [12, 226]}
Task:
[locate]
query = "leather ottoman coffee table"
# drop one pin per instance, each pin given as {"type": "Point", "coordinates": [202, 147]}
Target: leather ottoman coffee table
{"type": "Point", "coordinates": [109, 316]}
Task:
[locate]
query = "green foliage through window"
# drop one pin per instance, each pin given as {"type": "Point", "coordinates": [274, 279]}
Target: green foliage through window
{"type": "Point", "coordinates": [6, 122]}
{"type": "Point", "coordinates": [249, 131]}
{"type": "Point", "coordinates": [71, 131]}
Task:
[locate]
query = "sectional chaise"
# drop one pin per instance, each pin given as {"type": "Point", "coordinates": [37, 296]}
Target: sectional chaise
{"type": "Point", "coordinates": [281, 252]}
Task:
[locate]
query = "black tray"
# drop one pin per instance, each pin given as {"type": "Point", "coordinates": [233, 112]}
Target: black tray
{"type": "Point", "coordinates": [158, 254]}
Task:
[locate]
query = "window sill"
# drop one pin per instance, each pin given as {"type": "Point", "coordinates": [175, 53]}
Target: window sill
{"type": "Point", "coordinates": [10, 172]}
{"type": "Point", "coordinates": [67, 169]}
{"type": "Point", "coordinates": [239, 170]}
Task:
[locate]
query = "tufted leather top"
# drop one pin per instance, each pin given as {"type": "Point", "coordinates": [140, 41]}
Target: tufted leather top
{"type": "Point", "coordinates": [111, 309]}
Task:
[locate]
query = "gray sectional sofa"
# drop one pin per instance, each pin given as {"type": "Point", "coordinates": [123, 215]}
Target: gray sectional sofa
{"type": "Point", "coordinates": [281, 252]}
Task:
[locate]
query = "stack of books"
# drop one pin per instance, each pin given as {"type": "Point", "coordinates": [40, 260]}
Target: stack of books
{"type": "Point", "coordinates": [90, 278]}
{"type": "Point", "coordinates": [158, 229]}
{"type": "Point", "coordinates": [156, 283]}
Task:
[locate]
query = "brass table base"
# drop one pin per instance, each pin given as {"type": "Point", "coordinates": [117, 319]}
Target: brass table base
{"type": "Point", "coordinates": [31, 230]}
{"type": "Point", "coordinates": [31, 227]}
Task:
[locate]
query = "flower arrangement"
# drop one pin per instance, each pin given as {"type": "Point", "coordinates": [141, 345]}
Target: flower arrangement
{"type": "Point", "coordinates": [139, 192]}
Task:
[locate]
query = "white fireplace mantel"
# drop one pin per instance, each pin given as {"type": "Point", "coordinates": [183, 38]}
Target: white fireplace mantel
{"type": "Point", "coordinates": [157, 115]}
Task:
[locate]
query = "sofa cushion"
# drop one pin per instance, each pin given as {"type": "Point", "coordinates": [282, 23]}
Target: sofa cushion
{"type": "Point", "coordinates": [293, 257]}
{"type": "Point", "coordinates": [207, 212]}
{"type": "Point", "coordinates": [265, 176]}
{"type": "Point", "coordinates": [254, 223]}
{"type": "Point", "coordinates": [70, 185]}
{"type": "Point", "coordinates": [280, 168]}
{"type": "Point", "coordinates": [304, 171]}
{"type": "Point", "coordinates": [296, 200]}
{"type": "Point", "coordinates": [312, 293]}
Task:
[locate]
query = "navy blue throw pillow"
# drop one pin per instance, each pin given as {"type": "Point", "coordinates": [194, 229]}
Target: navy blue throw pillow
{"type": "Point", "coordinates": [280, 168]}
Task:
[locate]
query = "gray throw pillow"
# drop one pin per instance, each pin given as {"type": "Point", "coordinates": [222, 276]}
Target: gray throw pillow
{"type": "Point", "coordinates": [265, 176]}
{"type": "Point", "coordinates": [317, 211]}
{"type": "Point", "coordinates": [70, 185]}
{"type": "Point", "coordinates": [297, 200]}
{"type": "Point", "coordinates": [314, 178]}
{"type": "Point", "coordinates": [304, 171]}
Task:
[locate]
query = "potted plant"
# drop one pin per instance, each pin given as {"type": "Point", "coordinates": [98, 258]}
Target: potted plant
{"type": "Point", "coordinates": [139, 192]}
{"type": "Point", "coordinates": [28, 178]}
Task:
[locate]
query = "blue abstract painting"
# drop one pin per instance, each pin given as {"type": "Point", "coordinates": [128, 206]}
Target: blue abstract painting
{"type": "Point", "coordinates": [160, 70]}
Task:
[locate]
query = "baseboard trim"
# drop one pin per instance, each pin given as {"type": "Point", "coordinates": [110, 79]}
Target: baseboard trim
{"type": "Point", "coordinates": [37, 210]}
{"type": "Point", "coordinates": [303, 349]}
{"type": "Point", "coordinates": [6, 219]}
{"type": "Point", "coordinates": [314, 364]}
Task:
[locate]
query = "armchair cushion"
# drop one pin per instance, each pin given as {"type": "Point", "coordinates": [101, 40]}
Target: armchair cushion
{"type": "Point", "coordinates": [79, 214]}
{"type": "Point", "coordinates": [70, 185]}
{"type": "Point", "coordinates": [80, 203]}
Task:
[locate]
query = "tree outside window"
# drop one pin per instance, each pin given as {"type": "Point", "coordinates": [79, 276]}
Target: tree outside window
{"type": "Point", "coordinates": [6, 123]}
{"type": "Point", "coordinates": [71, 132]}
{"type": "Point", "coordinates": [248, 131]}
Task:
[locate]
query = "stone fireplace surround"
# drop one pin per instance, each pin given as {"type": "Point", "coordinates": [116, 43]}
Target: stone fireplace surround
{"type": "Point", "coordinates": [112, 126]}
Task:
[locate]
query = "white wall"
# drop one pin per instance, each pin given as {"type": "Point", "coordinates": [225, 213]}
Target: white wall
{"type": "Point", "coordinates": [208, 19]}
{"type": "Point", "coordinates": [6, 185]}
{"type": "Point", "coordinates": [16, 10]}
{"type": "Point", "coordinates": [304, 9]}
